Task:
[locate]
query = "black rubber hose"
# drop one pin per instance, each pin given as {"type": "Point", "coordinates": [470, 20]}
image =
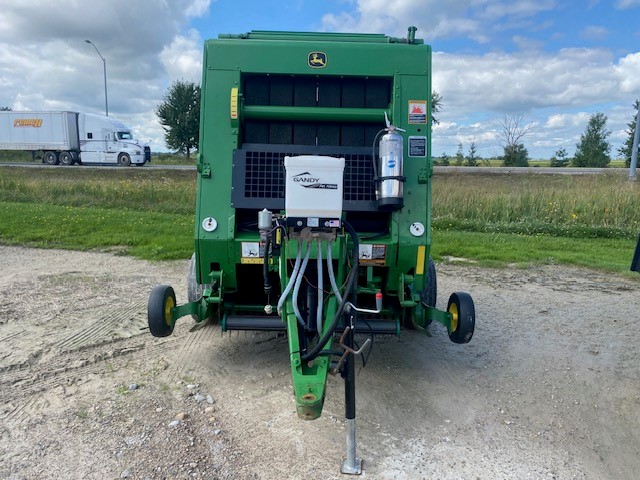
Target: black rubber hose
{"type": "Point", "coordinates": [349, 289]}
{"type": "Point", "coordinates": [265, 266]}
{"type": "Point", "coordinates": [373, 154]}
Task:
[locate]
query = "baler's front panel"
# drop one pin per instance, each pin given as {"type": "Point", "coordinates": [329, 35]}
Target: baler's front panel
{"type": "Point", "coordinates": [268, 95]}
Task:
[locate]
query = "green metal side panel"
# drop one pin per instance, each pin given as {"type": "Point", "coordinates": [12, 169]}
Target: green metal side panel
{"type": "Point", "coordinates": [218, 139]}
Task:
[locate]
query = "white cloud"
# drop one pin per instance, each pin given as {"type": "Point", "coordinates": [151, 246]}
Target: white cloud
{"type": "Point", "coordinates": [520, 8]}
{"type": "Point", "coordinates": [628, 72]}
{"type": "Point", "coordinates": [563, 120]}
{"type": "Point", "coordinates": [435, 19]}
{"type": "Point", "coordinates": [46, 64]}
{"type": "Point", "coordinates": [594, 33]}
{"type": "Point", "coordinates": [182, 59]}
{"type": "Point", "coordinates": [623, 4]}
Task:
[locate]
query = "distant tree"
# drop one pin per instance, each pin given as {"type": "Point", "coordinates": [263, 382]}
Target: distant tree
{"type": "Point", "coordinates": [560, 159]}
{"type": "Point", "coordinates": [459, 155]}
{"type": "Point", "coordinates": [436, 106]}
{"type": "Point", "coordinates": [444, 159]}
{"type": "Point", "coordinates": [511, 136]}
{"type": "Point", "coordinates": [626, 149]}
{"type": "Point", "coordinates": [179, 115]}
{"type": "Point", "coordinates": [472, 157]}
{"type": "Point", "coordinates": [5, 109]}
{"type": "Point", "coordinates": [515, 156]}
{"type": "Point", "coordinates": [593, 148]}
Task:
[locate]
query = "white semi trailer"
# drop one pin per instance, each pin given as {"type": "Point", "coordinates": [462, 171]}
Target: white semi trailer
{"type": "Point", "coordinates": [66, 138]}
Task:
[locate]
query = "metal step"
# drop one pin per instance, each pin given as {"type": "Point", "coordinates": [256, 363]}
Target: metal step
{"type": "Point", "coordinates": [253, 322]}
{"type": "Point", "coordinates": [275, 324]}
{"type": "Point", "coordinates": [376, 327]}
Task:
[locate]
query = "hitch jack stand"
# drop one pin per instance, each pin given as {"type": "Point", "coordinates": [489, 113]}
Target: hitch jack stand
{"type": "Point", "coordinates": [351, 465]}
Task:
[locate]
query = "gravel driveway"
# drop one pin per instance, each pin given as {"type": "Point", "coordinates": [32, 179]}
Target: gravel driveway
{"type": "Point", "coordinates": [548, 388]}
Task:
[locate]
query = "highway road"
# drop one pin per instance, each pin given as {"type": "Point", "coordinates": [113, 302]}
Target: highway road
{"type": "Point", "coordinates": [437, 170]}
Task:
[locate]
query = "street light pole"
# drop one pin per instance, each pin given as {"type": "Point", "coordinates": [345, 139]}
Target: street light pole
{"type": "Point", "coordinates": [633, 176]}
{"type": "Point", "coordinates": [104, 66]}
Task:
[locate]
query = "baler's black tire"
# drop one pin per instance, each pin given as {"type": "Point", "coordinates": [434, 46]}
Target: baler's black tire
{"type": "Point", "coordinates": [429, 294]}
{"type": "Point", "coordinates": [161, 301]}
{"type": "Point", "coordinates": [463, 312]}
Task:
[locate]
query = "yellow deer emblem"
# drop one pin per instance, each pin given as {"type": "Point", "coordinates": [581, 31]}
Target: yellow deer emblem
{"type": "Point", "coordinates": [317, 59]}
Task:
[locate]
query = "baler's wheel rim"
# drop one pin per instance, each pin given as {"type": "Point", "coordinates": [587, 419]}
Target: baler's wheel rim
{"type": "Point", "coordinates": [169, 304]}
{"type": "Point", "coordinates": [161, 300]}
{"type": "Point", "coordinates": [463, 317]}
{"type": "Point", "coordinates": [453, 310]}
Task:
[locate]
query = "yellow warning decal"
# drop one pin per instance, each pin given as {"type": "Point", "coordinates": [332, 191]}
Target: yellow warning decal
{"type": "Point", "coordinates": [420, 260]}
{"type": "Point", "coordinates": [251, 261]}
{"type": "Point", "coordinates": [234, 103]}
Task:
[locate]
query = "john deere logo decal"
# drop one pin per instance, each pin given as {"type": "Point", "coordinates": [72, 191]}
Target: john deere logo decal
{"type": "Point", "coordinates": [317, 60]}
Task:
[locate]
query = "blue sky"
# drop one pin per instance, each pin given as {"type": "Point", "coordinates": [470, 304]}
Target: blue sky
{"type": "Point", "coordinates": [555, 63]}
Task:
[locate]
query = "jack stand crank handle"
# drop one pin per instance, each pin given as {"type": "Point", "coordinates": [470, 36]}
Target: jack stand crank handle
{"type": "Point", "coordinates": [348, 350]}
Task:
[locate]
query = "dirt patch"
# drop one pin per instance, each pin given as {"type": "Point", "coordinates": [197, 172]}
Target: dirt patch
{"type": "Point", "coordinates": [548, 388]}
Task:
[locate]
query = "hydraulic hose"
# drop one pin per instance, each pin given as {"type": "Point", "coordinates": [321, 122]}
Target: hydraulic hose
{"type": "Point", "coordinates": [349, 289]}
{"type": "Point", "coordinates": [320, 291]}
{"type": "Point", "coordinates": [296, 287]}
{"type": "Point", "coordinates": [332, 277]}
{"type": "Point", "coordinates": [373, 153]}
{"type": "Point", "coordinates": [292, 279]}
{"type": "Point", "coordinates": [265, 266]}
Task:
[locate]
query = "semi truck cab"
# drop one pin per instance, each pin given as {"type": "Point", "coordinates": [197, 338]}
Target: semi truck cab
{"type": "Point", "coordinates": [106, 140]}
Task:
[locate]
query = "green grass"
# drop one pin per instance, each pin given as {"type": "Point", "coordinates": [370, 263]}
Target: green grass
{"type": "Point", "coordinates": [588, 206]}
{"type": "Point", "coordinates": [168, 191]}
{"type": "Point", "coordinates": [499, 250]}
{"type": "Point", "coordinates": [494, 220]}
{"type": "Point", "coordinates": [144, 234]}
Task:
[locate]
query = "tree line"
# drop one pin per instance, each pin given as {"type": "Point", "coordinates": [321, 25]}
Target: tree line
{"type": "Point", "coordinates": [593, 149]}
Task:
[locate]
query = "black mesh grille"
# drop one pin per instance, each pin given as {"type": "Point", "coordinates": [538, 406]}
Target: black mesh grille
{"type": "Point", "coordinates": [264, 175]}
{"type": "Point", "coordinates": [358, 178]}
{"type": "Point", "coordinates": [259, 176]}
